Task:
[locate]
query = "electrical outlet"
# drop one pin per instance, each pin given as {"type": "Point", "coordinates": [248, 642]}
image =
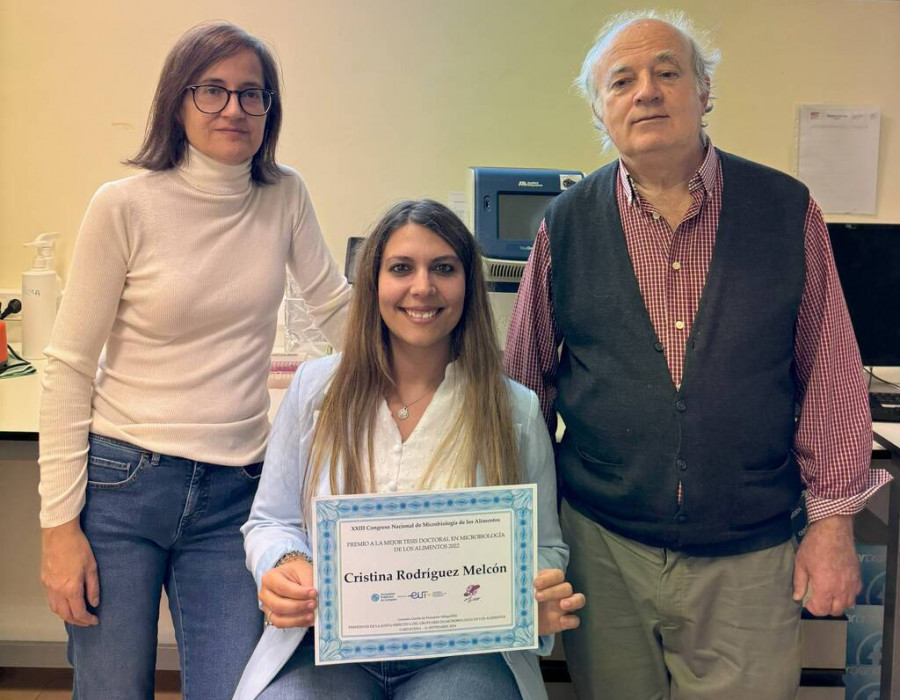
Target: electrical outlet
{"type": "Point", "coordinates": [5, 296]}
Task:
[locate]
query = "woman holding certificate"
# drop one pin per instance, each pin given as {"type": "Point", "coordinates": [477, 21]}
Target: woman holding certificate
{"type": "Point", "coordinates": [416, 402]}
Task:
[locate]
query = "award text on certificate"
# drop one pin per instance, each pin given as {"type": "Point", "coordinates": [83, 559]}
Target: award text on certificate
{"type": "Point", "coordinates": [425, 574]}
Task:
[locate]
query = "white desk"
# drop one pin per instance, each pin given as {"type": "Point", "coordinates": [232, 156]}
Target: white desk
{"type": "Point", "coordinates": [30, 635]}
{"type": "Point", "coordinates": [19, 404]}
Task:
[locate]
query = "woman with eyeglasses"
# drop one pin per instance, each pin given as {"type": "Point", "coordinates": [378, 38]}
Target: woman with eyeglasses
{"type": "Point", "coordinates": [151, 450]}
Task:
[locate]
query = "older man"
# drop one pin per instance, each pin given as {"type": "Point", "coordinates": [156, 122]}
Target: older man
{"type": "Point", "coordinates": [697, 304]}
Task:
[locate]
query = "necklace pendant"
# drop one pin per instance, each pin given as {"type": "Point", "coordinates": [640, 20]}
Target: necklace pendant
{"type": "Point", "coordinates": [403, 413]}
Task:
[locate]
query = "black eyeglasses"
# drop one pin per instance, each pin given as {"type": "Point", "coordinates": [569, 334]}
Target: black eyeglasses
{"type": "Point", "coordinates": [212, 99]}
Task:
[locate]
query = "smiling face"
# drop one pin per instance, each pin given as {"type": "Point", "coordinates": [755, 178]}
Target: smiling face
{"type": "Point", "coordinates": [231, 136]}
{"type": "Point", "coordinates": [421, 290]}
{"type": "Point", "coordinates": [647, 91]}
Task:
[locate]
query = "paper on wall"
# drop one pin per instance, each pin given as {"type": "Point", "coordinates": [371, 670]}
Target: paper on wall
{"type": "Point", "coordinates": [837, 157]}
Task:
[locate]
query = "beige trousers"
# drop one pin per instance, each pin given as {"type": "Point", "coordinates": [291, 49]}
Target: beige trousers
{"type": "Point", "coordinates": [660, 625]}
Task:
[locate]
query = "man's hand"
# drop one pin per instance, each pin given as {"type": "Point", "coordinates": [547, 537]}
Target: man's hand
{"type": "Point", "coordinates": [826, 569]}
{"type": "Point", "coordinates": [69, 573]}
{"type": "Point", "coordinates": [287, 595]}
{"type": "Point", "coordinates": [555, 601]}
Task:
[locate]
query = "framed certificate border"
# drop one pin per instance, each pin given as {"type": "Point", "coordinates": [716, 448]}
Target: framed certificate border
{"type": "Point", "coordinates": [521, 500]}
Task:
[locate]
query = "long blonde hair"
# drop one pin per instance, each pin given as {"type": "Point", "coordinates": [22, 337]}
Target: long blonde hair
{"type": "Point", "coordinates": [482, 435]}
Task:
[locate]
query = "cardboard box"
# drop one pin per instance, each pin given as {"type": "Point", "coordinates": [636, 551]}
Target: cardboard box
{"type": "Point", "coordinates": [824, 643]}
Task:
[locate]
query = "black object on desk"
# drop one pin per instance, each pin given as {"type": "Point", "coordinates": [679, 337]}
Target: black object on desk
{"type": "Point", "coordinates": [13, 307]}
{"type": "Point", "coordinates": [885, 406]}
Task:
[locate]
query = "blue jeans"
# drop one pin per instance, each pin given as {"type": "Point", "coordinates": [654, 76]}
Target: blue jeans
{"type": "Point", "coordinates": [475, 677]}
{"type": "Point", "coordinates": [155, 521]}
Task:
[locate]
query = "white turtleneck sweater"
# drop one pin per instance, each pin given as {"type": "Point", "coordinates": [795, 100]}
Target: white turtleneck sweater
{"type": "Point", "coordinates": [180, 274]}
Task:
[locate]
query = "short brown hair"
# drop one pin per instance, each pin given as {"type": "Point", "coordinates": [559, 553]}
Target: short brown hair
{"type": "Point", "coordinates": [200, 47]}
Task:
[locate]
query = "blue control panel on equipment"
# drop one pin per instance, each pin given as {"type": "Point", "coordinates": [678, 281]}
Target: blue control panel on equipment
{"type": "Point", "coordinates": [507, 205]}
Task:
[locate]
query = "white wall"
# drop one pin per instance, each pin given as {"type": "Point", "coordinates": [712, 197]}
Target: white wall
{"type": "Point", "coordinates": [395, 98]}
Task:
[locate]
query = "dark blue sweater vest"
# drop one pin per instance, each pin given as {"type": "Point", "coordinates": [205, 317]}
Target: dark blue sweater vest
{"type": "Point", "coordinates": [726, 433]}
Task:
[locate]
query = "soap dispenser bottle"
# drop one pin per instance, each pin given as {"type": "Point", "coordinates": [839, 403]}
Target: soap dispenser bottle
{"type": "Point", "coordinates": [40, 297]}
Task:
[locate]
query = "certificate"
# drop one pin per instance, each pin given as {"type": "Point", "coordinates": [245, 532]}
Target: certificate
{"type": "Point", "coordinates": [425, 574]}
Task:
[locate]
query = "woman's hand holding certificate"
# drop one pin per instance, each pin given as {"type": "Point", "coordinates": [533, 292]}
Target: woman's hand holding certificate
{"type": "Point", "coordinates": [287, 595]}
{"type": "Point", "coordinates": [289, 600]}
{"type": "Point", "coordinates": [556, 602]}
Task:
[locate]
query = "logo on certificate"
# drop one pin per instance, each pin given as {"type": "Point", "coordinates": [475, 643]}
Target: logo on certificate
{"type": "Point", "coordinates": [471, 594]}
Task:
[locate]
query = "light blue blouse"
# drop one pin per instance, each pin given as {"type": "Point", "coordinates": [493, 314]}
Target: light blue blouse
{"type": "Point", "coordinates": [276, 526]}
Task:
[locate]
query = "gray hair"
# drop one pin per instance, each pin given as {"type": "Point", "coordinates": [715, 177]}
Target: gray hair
{"type": "Point", "coordinates": [706, 58]}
